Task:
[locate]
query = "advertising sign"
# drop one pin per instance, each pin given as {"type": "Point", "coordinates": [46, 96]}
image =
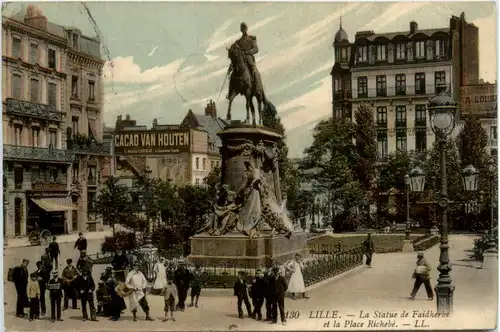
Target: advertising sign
{"type": "Point", "coordinates": [151, 142]}
{"type": "Point", "coordinates": [479, 100]}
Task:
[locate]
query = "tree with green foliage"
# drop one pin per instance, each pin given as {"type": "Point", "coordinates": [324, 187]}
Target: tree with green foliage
{"type": "Point", "coordinates": [288, 180]}
{"type": "Point", "coordinates": [365, 156]}
{"type": "Point", "coordinates": [113, 203]}
{"type": "Point", "coordinates": [327, 160]}
{"type": "Point", "coordinates": [213, 179]}
{"type": "Point", "coordinates": [196, 204]}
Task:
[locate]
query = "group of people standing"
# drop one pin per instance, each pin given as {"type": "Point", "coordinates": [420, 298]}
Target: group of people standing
{"type": "Point", "coordinates": [269, 288]}
{"type": "Point", "coordinates": [72, 283]}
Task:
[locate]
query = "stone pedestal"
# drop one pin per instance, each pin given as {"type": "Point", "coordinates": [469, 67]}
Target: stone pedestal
{"type": "Point", "coordinates": [238, 250]}
{"type": "Point", "coordinates": [407, 246]}
{"type": "Point", "coordinates": [490, 259]}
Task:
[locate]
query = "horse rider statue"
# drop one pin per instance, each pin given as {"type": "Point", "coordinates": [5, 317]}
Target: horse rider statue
{"type": "Point", "coordinates": [248, 45]}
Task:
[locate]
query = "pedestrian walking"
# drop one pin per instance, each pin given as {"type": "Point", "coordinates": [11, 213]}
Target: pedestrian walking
{"type": "Point", "coordinates": [42, 277]}
{"type": "Point", "coordinates": [257, 294]}
{"type": "Point", "coordinates": [241, 292]}
{"type": "Point", "coordinates": [69, 275]}
{"type": "Point", "coordinates": [81, 242]}
{"type": "Point", "coordinates": [86, 287]}
{"type": "Point", "coordinates": [196, 284]}
{"type": "Point", "coordinates": [369, 249]}
{"type": "Point", "coordinates": [47, 262]}
{"type": "Point", "coordinates": [296, 284]}
{"type": "Point", "coordinates": [422, 276]}
{"type": "Point", "coordinates": [161, 275]}
{"type": "Point", "coordinates": [54, 251]}
{"type": "Point", "coordinates": [34, 295]}
{"type": "Point", "coordinates": [169, 294]}
{"type": "Point", "coordinates": [20, 278]}
{"type": "Point", "coordinates": [55, 290]}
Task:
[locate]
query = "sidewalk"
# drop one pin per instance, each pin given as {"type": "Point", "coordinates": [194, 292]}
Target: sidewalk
{"type": "Point", "coordinates": [66, 238]}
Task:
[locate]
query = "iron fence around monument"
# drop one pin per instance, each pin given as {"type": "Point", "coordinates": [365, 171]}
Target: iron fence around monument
{"type": "Point", "coordinates": [319, 267]}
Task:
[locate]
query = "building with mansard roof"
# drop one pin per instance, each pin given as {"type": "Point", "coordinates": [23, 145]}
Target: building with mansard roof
{"type": "Point", "coordinates": [396, 73]}
{"type": "Point", "coordinates": [47, 169]}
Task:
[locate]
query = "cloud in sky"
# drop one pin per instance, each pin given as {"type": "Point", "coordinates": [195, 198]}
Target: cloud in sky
{"type": "Point", "coordinates": [171, 57]}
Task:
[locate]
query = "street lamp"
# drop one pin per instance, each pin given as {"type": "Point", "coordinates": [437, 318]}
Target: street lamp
{"type": "Point", "coordinates": [442, 110]}
{"type": "Point", "coordinates": [415, 181]}
{"type": "Point", "coordinates": [147, 237]}
{"type": "Point", "coordinates": [490, 256]}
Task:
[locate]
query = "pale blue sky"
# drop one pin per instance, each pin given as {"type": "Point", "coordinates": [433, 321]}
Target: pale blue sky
{"type": "Point", "coordinates": [170, 57]}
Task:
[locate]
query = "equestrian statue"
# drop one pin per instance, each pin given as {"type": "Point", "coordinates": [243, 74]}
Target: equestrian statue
{"type": "Point", "coordinates": [244, 77]}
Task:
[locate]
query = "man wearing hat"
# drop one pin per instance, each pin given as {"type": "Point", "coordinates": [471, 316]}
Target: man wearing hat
{"type": "Point", "coordinates": [257, 293]}
{"type": "Point", "coordinates": [120, 263]}
{"type": "Point", "coordinates": [86, 286]}
{"type": "Point", "coordinates": [182, 277]}
{"type": "Point", "coordinates": [55, 291]}
{"type": "Point", "coordinates": [135, 280]}
{"type": "Point", "coordinates": [43, 277]}
{"type": "Point", "coordinates": [422, 276]}
{"type": "Point", "coordinates": [241, 292]}
{"type": "Point", "coordinates": [84, 262]}
{"type": "Point", "coordinates": [69, 276]}
{"type": "Point", "coordinates": [249, 46]}
{"type": "Point", "coordinates": [277, 296]}
{"type": "Point", "coordinates": [20, 276]}
{"type": "Point", "coordinates": [81, 242]}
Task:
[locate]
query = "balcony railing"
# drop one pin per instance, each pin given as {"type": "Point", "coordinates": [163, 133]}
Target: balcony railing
{"type": "Point", "coordinates": [492, 142]}
{"type": "Point", "coordinates": [16, 152]}
{"type": "Point", "coordinates": [342, 94]}
{"type": "Point", "coordinates": [400, 124]}
{"type": "Point", "coordinates": [420, 123]}
{"type": "Point", "coordinates": [86, 147]}
{"type": "Point", "coordinates": [28, 108]}
{"type": "Point", "coordinates": [409, 90]}
{"type": "Point", "coordinates": [48, 186]}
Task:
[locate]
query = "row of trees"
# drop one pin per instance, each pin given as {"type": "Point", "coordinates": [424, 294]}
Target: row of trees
{"type": "Point", "coordinates": [342, 164]}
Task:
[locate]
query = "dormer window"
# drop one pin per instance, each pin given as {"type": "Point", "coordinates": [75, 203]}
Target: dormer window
{"type": "Point", "coordinates": [363, 53]}
{"type": "Point", "coordinates": [400, 51]}
{"type": "Point", "coordinates": [440, 47]}
{"type": "Point", "coordinates": [344, 54]}
{"type": "Point", "coordinates": [420, 49]}
{"type": "Point", "coordinates": [381, 52]}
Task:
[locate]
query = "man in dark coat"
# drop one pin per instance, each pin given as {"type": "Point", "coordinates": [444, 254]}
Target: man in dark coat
{"type": "Point", "coordinates": [81, 242]}
{"type": "Point", "coordinates": [84, 263]}
{"type": "Point", "coordinates": [120, 263]}
{"type": "Point", "coordinates": [182, 277]}
{"type": "Point", "coordinates": [278, 290]}
{"type": "Point", "coordinates": [117, 302]}
{"type": "Point", "coordinates": [54, 251]}
{"type": "Point", "coordinates": [20, 277]}
{"type": "Point", "coordinates": [43, 277]}
{"type": "Point", "coordinates": [55, 290]}
{"type": "Point", "coordinates": [69, 275]}
{"type": "Point", "coordinates": [369, 249]}
{"type": "Point", "coordinates": [257, 293]}
{"type": "Point", "coordinates": [422, 276]}
{"type": "Point", "coordinates": [268, 281]}
{"type": "Point", "coordinates": [241, 292]}
{"type": "Point", "coordinates": [86, 287]}
{"type": "Point", "coordinates": [46, 262]}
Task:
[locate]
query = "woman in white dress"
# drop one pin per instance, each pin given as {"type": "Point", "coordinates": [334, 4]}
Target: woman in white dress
{"type": "Point", "coordinates": [161, 275]}
{"type": "Point", "coordinates": [296, 283]}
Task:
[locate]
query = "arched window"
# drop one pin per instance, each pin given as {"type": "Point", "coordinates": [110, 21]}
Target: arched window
{"type": "Point", "coordinates": [344, 53]}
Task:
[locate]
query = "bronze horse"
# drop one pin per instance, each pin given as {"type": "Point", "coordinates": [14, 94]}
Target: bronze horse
{"type": "Point", "coordinates": [241, 82]}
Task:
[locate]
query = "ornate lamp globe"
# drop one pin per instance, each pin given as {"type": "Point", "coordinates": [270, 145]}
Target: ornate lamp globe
{"type": "Point", "coordinates": [442, 110]}
{"type": "Point", "coordinates": [470, 178]}
{"type": "Point", "coordinates": [417, 179]}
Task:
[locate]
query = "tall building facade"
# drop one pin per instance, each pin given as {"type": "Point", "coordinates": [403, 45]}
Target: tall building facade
{"type": "Point", "coordinates": [37, 162]}
{"type": "Point", "coordinates": [396, 73]}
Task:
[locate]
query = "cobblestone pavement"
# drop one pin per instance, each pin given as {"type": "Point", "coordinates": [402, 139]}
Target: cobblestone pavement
{"type": "Point", "coordinates": [385, 288]}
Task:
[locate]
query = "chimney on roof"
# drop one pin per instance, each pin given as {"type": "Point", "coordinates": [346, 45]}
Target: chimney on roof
{"type": "Point", "coordinates": [127, 117]}
{"type": "Point", "coordinates": [413, 27]}
{"type": "Point", "coordinates": [155, 122]}
{"type": "Point", "coordinates": [211, 109]}
{"type": "Point", "coordinates": [35, 18]}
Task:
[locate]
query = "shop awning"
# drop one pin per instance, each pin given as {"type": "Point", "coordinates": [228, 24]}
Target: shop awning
{"type": "Point", "coordinates": [55, 204]}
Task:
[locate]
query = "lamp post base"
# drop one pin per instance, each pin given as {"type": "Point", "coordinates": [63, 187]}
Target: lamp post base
{"type": "Point", "coordinates": [407, 246]}
{"type": "Point", "coordinates": [435, 231]}
{"type": "Point", "coordinates": [444, 297]}
{"type": "Point", "coordinates": [490, 259]}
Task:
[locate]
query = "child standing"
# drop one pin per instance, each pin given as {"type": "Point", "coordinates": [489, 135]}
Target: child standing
{"type": "Point", "coordinates": [169, 293]}
{"type": "Point", "coordinates": [34, 295]}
